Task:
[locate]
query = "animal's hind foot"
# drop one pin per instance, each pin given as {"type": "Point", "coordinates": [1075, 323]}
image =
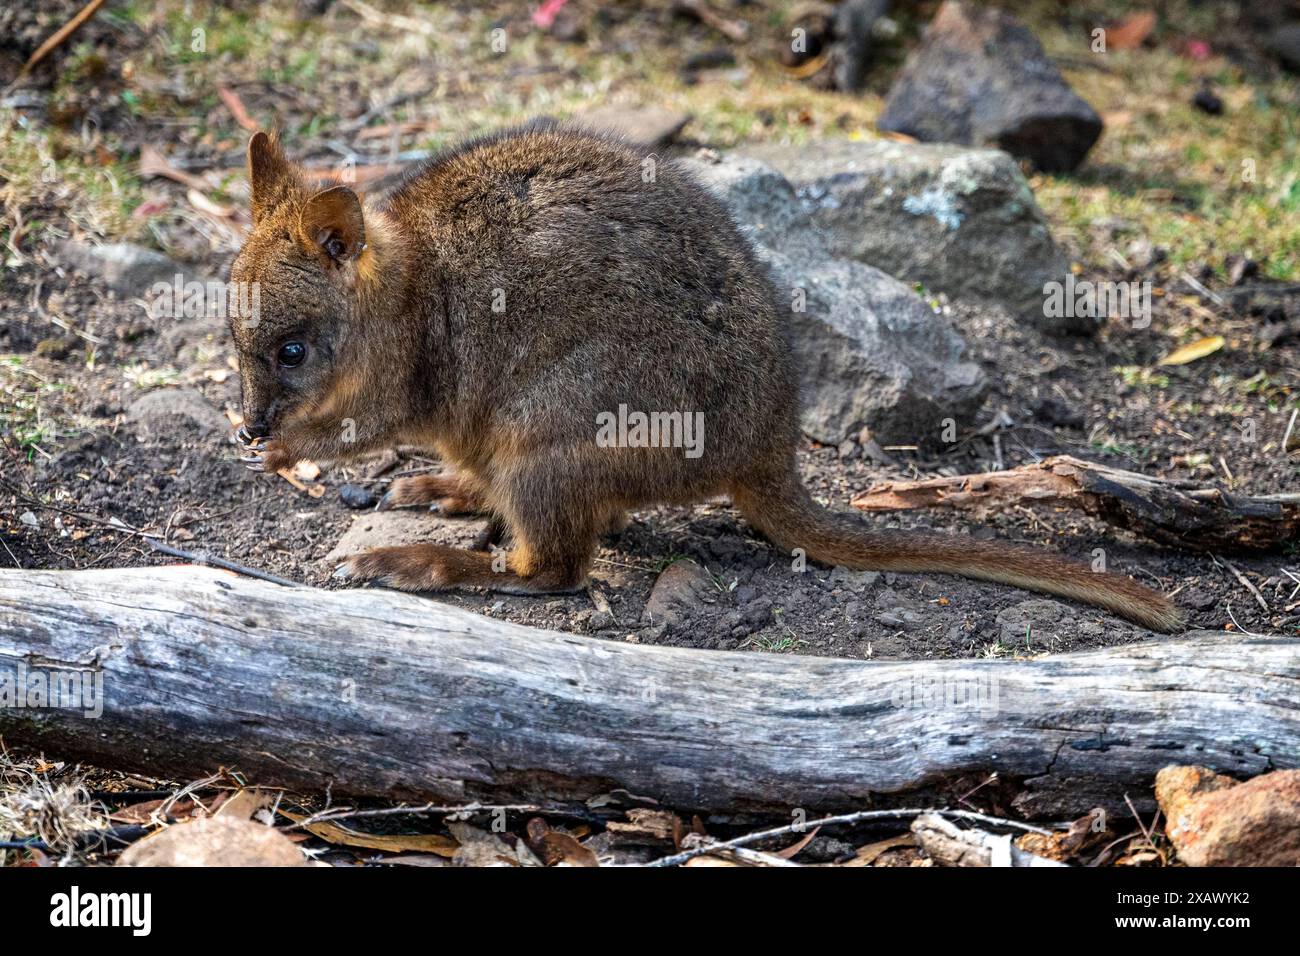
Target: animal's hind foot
{"type": "Point", "coordinates": [436, 567]}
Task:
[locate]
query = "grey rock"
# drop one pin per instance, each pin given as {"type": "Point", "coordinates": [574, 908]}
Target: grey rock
{"type": "Point", "coordinates": [842, 577]}
{"type": "Point", "coordinates": [127, 269]}
{"type": "Point", "coordinates": [956, 220]}
{"type": "Point", "coordinates": [381, 529]}
{"type": "Point", "coordinates": [162, 410]}
{"type": "Point", "coordinates": [680, 591]}
{"type": "Point", "coordinates": [1034, 624]}
{"type": "Point", "coordinates": [981, 78]}
{"type": "Point", "coordinates": [1284, 43]}
{"type": "Point", "coordinates": [757, 614]}
{"type": "Point", "coordinates": [872, 353]}
{"type": "Point", "coordinates": [643, 125]}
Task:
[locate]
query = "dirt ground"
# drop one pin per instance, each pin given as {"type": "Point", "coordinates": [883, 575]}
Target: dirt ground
{"type": "Point", "coordinates": [171, 468]}
{"type": "Point", "coordinates": [86, 463]}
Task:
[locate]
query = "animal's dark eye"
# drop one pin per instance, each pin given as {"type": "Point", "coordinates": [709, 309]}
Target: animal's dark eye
{"type": "Point", "coordinates": [335, 248]}
{"type": "Point", "coordinates": [291, 354]}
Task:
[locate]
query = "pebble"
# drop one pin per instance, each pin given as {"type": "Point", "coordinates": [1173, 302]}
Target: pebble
{"type": "Point", "coordinates": [356, 497]}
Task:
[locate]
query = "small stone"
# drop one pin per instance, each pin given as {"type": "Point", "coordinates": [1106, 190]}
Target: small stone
{"type": "Point", "coordinates": [379, 529]}
{"type": "Point", "coordinates": [1198, 599]}
{"type": "Point", "coordinates": [161, 410]}
{"type": "Point", "coordinates": [1241, 268]}
{"type": "Point", "coordinates": [127, 269]}
{"type": "Point", "coordinates": [1207, 101]}
{"type": "Point", "coordinates": [29, 519]}
{"type": "Point", "coordinates": [643, 126]}
{"type": "Point", "coordinates": [757, 615]}
{"type": "Point", "coordinates": [356, 497]}
{"type": "Point", "coordinates": [678, 593]}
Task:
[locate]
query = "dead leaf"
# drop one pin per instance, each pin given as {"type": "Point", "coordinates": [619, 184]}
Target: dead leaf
{"type": "Point", "coordinates": [1132, 31]}
{"type": "Point", "coordinates": [789, 852]}
{"type": "Point", "coordinates": [895, 137]}
{"type": "Point", "coordinates": [557, 848]}
{"type": "Point", "coordinates": [243, 804]}
{"type": "Point", "coordinates": [315, 491]}
{"type": "Point", "coordinates": [208, 206]}
{"type": "Point", "coordinates": [867, 855]}
{"type": "Point", "coordinates": [154, 163]}
{"type": "Point", "coordinates": [236, 107]}
{"type": "Point", "coordinates": [214, 841]}
{"type": "Point", "coordinates": [332, 832]}
{"type": "Point", "coordinates": [1194, 350]}
{"type": "Point", "coordinates": [1066, 845]}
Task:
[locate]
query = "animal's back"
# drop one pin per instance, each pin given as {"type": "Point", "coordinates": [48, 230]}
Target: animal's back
{"type": "Point", "coordinates": [582, 274]}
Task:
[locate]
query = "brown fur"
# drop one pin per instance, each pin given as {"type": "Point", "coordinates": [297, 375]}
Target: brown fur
{"type": "Point", "coordinates": [608, 289]}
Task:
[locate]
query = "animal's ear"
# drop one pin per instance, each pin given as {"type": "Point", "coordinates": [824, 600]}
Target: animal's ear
{"type": "Point", "coordinates": [270, 175]}
{"type": "Point", "coordinates": [331, 221]}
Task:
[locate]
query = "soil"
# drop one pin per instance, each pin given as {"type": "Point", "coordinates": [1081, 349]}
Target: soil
{"type": "Point", "coordinates": [160, 459]}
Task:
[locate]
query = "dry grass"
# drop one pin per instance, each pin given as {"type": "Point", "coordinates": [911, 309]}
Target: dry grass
{"type": "Point", "coordinates": [33, 807]}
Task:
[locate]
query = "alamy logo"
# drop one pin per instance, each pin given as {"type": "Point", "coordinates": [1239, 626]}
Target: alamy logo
{"type": "Point", "coordinates": [180, 299]}
{"type": "Point", "coordinates": [626, 429]}
{"type": "Point", "coordinates": [75, 908]}
{"type": "Point", "coordinates": [1084, 299]}
{"type": "Point", "coordinates": [943, 693]}
{"type": "Point", "coordinates": [56, 688]}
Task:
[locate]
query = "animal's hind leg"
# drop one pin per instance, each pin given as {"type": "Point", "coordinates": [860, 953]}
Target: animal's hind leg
{"type": "Point", "coordinates": [554, 541]}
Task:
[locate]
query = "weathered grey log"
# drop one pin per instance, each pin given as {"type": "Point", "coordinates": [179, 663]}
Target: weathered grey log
{"type": "Point", "coordinates": [375, 693]}
{"type": "Point", "coordinates": [1176, 512]}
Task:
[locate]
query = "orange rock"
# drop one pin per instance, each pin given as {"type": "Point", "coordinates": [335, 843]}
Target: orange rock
{"type": "Point", "coordinates": [1214, 821]}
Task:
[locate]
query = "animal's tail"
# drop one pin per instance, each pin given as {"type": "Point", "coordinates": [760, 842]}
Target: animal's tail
{"type": "Point", "coordinates": [785, 512]}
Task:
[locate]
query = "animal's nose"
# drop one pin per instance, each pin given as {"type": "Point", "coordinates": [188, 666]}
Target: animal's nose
{"type": "Point", "coordinates": [250, 432]}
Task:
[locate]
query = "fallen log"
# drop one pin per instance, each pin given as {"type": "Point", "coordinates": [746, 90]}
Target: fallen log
{"type": "Point", "coordinates": [1171, 511]}
{"type": "Point", "coordinates": [374, 693]}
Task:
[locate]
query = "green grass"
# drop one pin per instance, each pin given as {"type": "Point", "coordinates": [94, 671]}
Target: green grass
{"type": "Point", "coordinates": [24, 419]}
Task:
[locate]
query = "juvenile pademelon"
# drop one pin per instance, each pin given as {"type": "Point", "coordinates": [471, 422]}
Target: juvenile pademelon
{"type": "Point", "coordinates": [578, 330]}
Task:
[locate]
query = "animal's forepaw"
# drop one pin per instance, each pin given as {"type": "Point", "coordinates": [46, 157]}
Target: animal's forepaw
{"type": "Point", "coordinates": [268, 456]}
{"type": "Point", "coordinates": [441, 492]}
